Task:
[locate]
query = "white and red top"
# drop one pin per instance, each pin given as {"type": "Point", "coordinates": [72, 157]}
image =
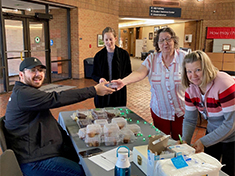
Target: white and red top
{"type": "Point", "coordinates": [167, 92]}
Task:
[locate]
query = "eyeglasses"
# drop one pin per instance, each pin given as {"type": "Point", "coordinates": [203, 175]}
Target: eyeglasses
{"type": "Point", "coordinates": [166, 39]}
{"type": "Point", "coordinates": [34, 70]}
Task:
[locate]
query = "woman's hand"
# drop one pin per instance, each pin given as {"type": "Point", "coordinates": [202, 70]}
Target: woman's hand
{"type": "Point", "coordinates": [102, 80]}
{"type": "Point", "coordinates": [119, 83]}
{"type": "Point", "coordinates": [198, 146]}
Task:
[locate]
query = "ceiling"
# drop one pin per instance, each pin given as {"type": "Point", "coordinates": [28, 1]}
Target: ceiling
{"type": "Point", "coordinates": [141, 22]}
{"type": "Point", "coordinates": [123, 22]}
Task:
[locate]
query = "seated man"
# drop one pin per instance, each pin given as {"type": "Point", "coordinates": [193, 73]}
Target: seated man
{"type": "Point", "coordinates": [31, 130]}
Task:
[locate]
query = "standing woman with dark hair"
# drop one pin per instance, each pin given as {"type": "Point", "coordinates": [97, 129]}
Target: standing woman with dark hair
{"type": "Point", "coordinates": [212, 93]}
{"type": "Point", "coordinates": [111, 63]}
{"type": "Point", "coordinates": [163, 69]}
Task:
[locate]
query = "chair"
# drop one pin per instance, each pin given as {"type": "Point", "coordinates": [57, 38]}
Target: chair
{"type": "Point", "coordinates": [3, 143]}
{"type": "Point", "coordinates": [9, 165]}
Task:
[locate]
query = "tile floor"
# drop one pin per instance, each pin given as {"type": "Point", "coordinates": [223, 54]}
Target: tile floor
{"type": "Point", "coordinates": [138, 99]}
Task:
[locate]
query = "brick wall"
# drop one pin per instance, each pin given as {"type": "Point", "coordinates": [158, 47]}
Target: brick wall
{"type": "Point", "coordinates": [90, 17]}
{"type": "Point", "coordinates": [213, 13]}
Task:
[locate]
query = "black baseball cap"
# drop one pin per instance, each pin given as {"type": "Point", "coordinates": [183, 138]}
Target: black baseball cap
{"type": "Point", "coordinates": [30, 62]}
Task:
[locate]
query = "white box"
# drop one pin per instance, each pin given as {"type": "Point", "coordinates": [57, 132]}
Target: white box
{"type": "Point", "coordinates": [198, 165]}
{"type": "Point", "coordinates": [182, 149]}
{"type": "Point", "coordinates": [153, 159]}
{"type": "Point", "coordinates": [140, 157]}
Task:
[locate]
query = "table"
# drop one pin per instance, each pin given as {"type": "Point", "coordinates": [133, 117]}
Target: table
{"type": "Point", "coordinates": [92, 169]}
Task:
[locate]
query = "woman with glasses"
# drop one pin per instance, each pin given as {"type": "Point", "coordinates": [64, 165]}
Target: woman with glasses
{"type": "Point", "coordinates": [212, 93]}
{"type": "Point", "coordinates": [163, 69]}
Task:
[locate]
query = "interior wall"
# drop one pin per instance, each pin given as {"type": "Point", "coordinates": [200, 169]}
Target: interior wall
{"type": "Point", "coordinates": [90, 24]}
{"type": "Point", "coordinates": [145, 36]}
{"type": "Point", "coordinates": [211, 11]}
{"type": "Point", "coordinates": [178, 29]}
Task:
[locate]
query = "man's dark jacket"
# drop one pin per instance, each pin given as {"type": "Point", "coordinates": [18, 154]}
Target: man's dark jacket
{"type": "Point", "coordinates": [32, 131]}
{"type": "Point", "coordinates": [121, 67]}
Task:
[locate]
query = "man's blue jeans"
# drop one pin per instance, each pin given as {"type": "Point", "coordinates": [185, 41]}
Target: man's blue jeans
{"type": "Point", "coordinates": [56, 166]}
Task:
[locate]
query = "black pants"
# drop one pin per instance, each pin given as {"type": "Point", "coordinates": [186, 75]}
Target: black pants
{"type": "Point", "coordinates": [226, 151]}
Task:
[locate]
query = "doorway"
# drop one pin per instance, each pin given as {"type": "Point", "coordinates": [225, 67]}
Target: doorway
{"type": "Point", "coordinates": [25, 37]}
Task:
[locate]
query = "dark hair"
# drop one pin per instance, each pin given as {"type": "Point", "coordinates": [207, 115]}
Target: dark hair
{"type": "Point", "coordinates": [173, 36]}
{"type": "Point", "coordinates": [109, 29]}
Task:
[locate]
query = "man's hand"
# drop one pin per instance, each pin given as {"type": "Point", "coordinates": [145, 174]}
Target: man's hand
{"type": "Point", "coordinates": [198, 146]}
{"type": "Point", "coordinates": [102, 90]}
{"type": "Point", "coordinates": [119, 83]}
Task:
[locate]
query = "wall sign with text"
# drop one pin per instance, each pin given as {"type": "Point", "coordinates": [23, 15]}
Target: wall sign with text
{"type": "Point", "coordinates": [220, 33]}
{"type": "Point", "coordinates": [164, 11]}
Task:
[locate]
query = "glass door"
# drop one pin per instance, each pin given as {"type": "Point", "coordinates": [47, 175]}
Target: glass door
{"type": "Point", "coordinates": [25, 37]}
{"type": "Point", "coordinates": [38, 43]}
{"type": "Point", "coordinates": [16, 48]}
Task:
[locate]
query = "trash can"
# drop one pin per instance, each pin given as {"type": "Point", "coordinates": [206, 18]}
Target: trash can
{"type": "Point", "coordinates": [88, 67]}
{"type": "Point", "coordinates": [151, 51]}
{"type": "Point", "coordinates": [143, 55]}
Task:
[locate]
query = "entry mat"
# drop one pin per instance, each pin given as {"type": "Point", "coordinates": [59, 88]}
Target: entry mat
{"type": "Point", "coordinates": [55, 87]}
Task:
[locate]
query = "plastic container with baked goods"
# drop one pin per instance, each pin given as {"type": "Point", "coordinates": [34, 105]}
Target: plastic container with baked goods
{"type": "Point", "coordinates": [113, 140]}
{"type": "Point", "coordinates": [111, 134]}
{"type": "Point", "coordinates": [83, 114]}
{"type": "Point", "coordinates": [112, 112]}
{"type": "Point", "coordinates": [82, 133]}
{"type": "Point", "coordinates": [74, 116]}
{"type": "Point", "coordinates": [120, 121]}
{"type": "Point", "coordinates": [93, 130]}
{"type": "Point", "coordinates": [127, 136]}
{"type": "Point", "coordinates": [134, 128]}
{"type": "Point", "coordinates": [93, 141]}
{"type": "Point", "coordinates": [99, 113]}
{"type": "Point", "coordinates": [82, 123]}
{"type": "Point", "coordinates": [111, 129]}
{"type": "Point", "coordinates": [101, 122]}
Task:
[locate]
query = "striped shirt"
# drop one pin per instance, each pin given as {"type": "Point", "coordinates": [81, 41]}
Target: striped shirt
{"type": "Point", "coordinates": [167, 93]}
{"type": "Point", "coordinates": [219, 108]}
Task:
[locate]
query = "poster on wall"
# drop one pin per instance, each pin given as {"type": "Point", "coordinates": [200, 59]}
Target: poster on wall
{"type": "Point", "coordinates": [100, 42]}
{"type": "Point", "coordinates": [150, 36]}
{"type": "Point", "coordinates": [220, 33]}
{"type": "Point", "coordinates": [188, 38]}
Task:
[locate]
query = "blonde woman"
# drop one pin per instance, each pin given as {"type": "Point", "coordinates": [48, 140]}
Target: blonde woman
{"type": "Point", "coordinates": [212, 93]}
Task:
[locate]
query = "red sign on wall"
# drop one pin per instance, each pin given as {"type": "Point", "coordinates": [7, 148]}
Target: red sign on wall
{"type": "Point", "coordinates": [220, 33]}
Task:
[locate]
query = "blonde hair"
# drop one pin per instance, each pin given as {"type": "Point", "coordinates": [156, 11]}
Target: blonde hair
{"type": "Point", "coordinates": [209, 70]}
